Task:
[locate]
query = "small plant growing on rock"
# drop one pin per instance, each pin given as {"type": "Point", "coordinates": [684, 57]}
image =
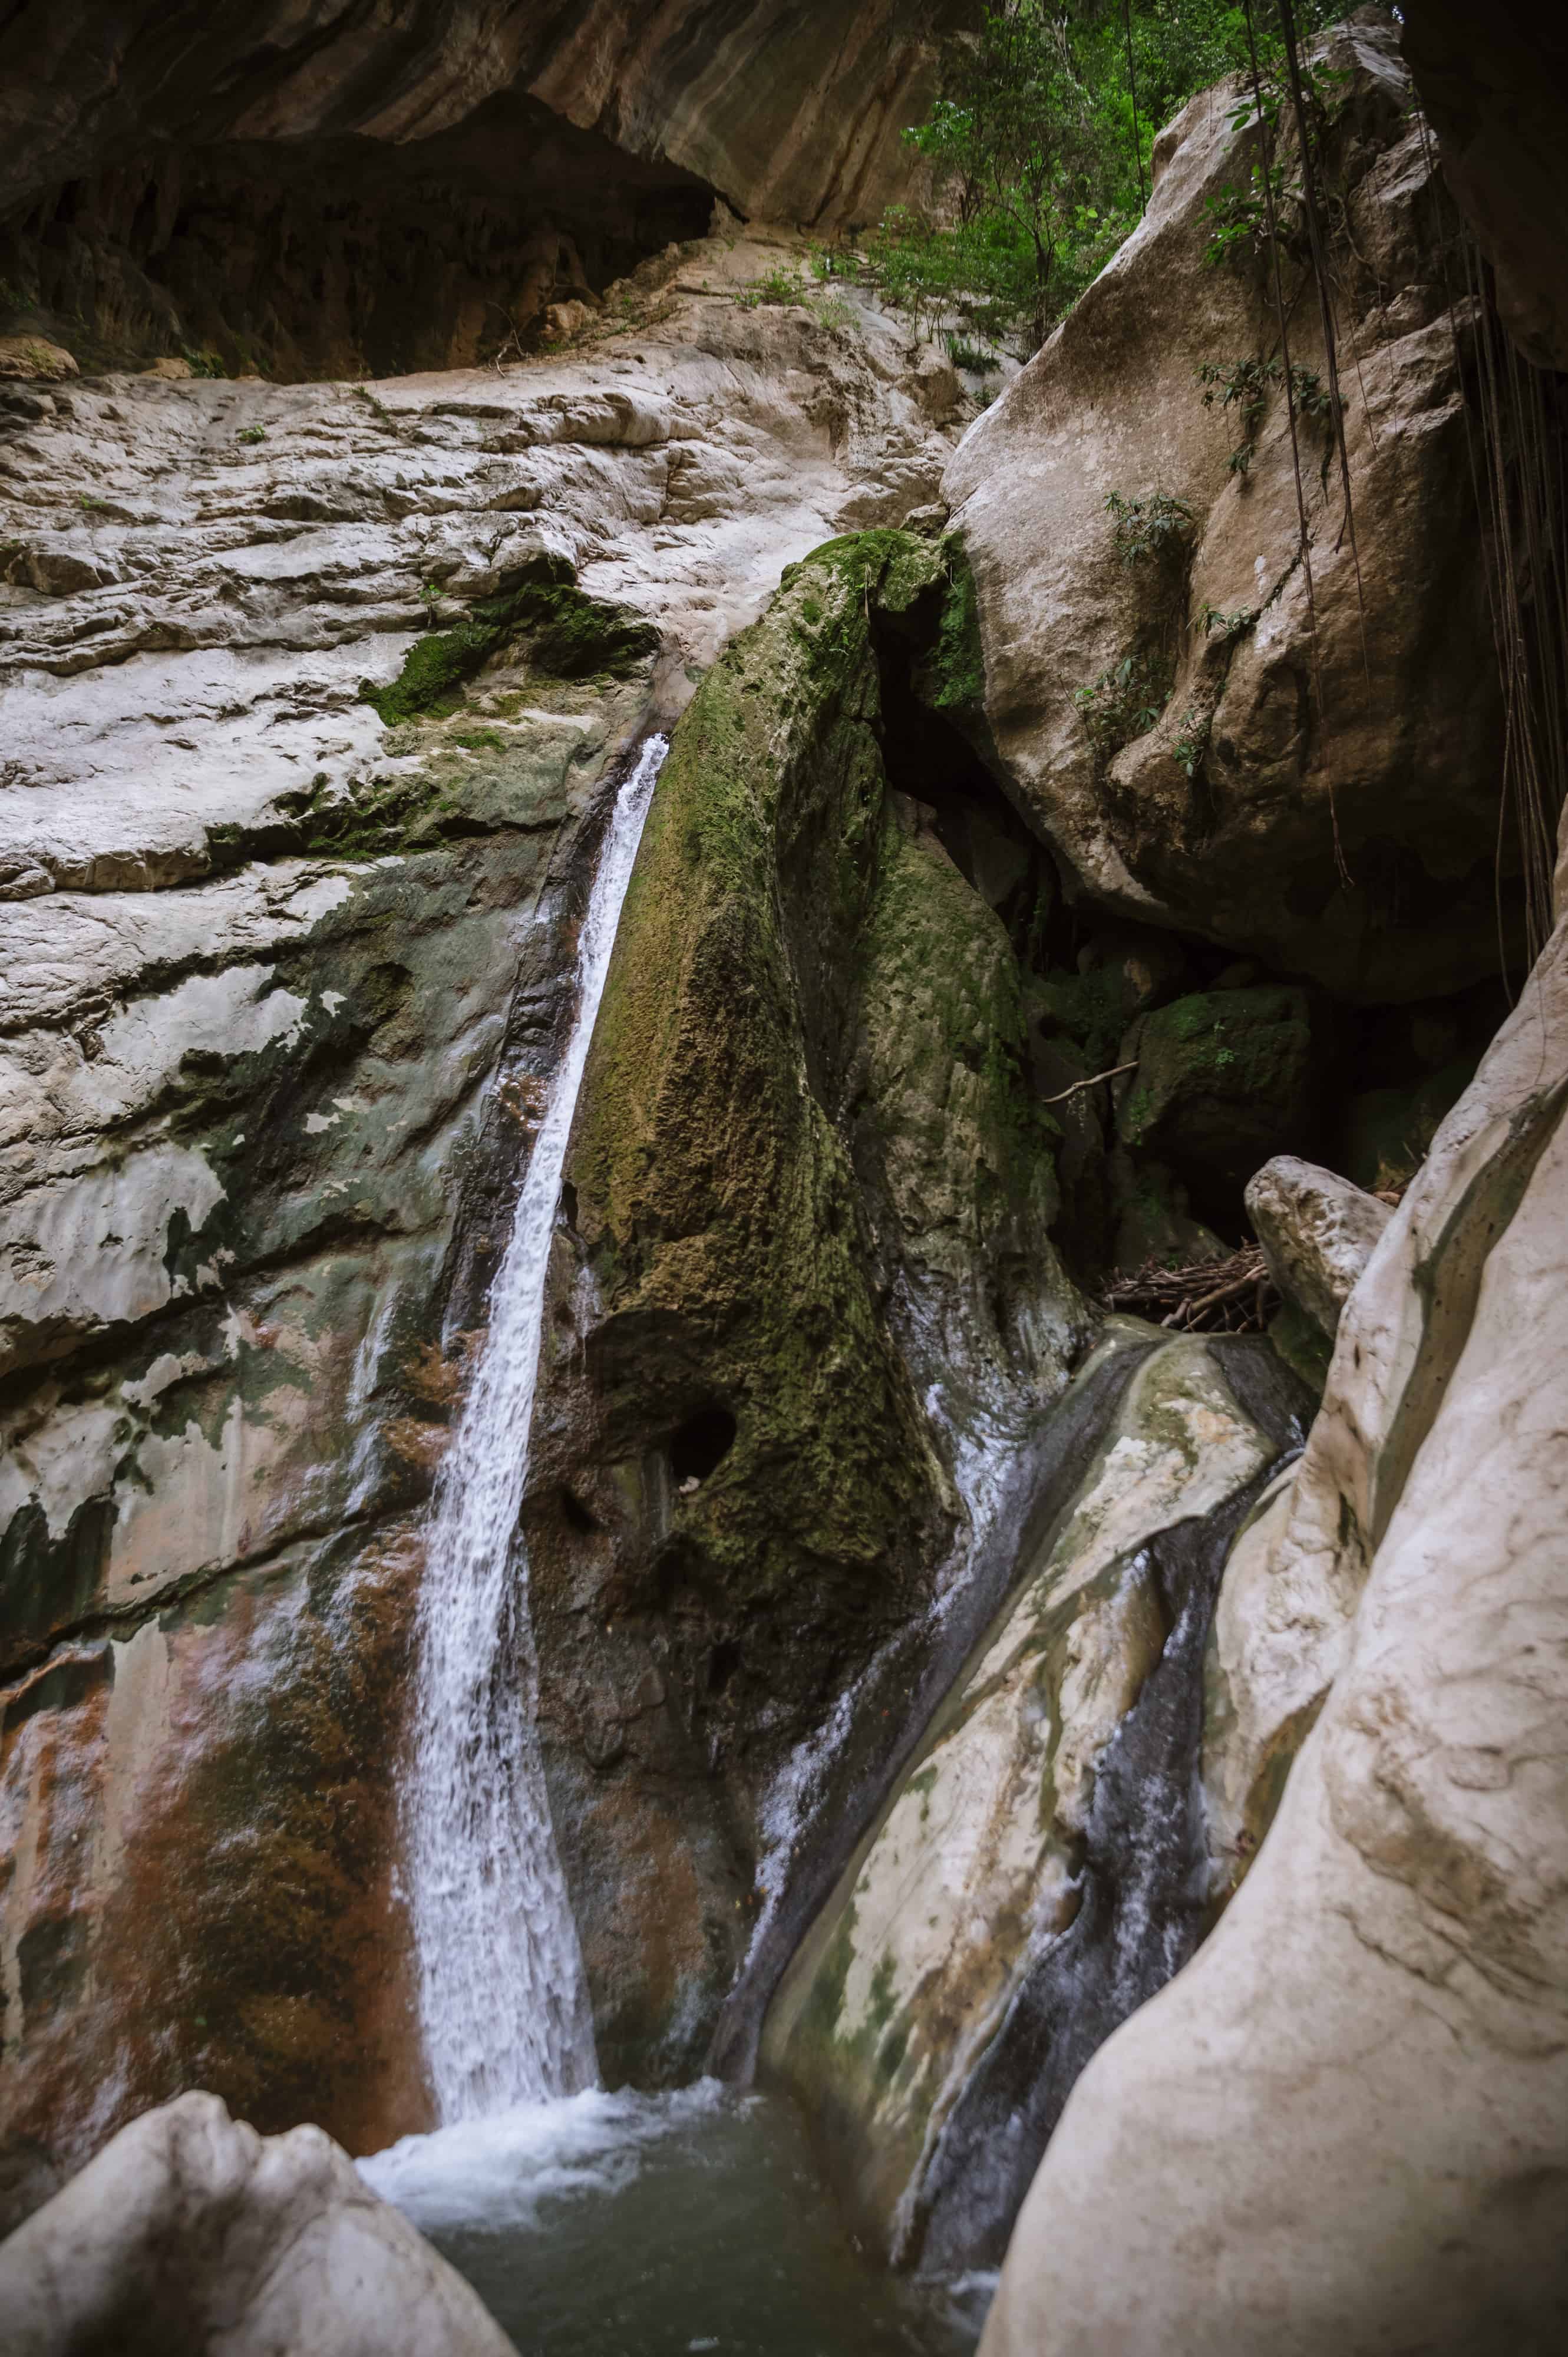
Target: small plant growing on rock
{"type": "Point", "coordinates": [1240, 215]}
{"type": "Point", "coordinates": [1124, 701]}
{"type": "Point", "coordinates": [1245, 385]}
{"type": "Point", "coordinates": [362, 393]}
{"type": "Point", "coordinates": [1229, 627]}
{"type": "Point", "coordinates": [251, 433]}
{"type": "Point", "coordinates": [973, 357]}
{"type": "Point", "coordinates": [775, 285]}
{"type": "Point", "coordinates": [205, 363]}
{"type": "Point", "coordinates": [1158, 525]}
{"type": "Point", "coordinates": [430, 598]}
{"type": "Point", "coordinates": [1192, 740]}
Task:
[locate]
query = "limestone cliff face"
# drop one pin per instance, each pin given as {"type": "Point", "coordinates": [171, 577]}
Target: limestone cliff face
{"type": "Point", "coordinates": [315, 694]}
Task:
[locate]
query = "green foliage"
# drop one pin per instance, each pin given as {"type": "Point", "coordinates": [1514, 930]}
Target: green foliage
{"type": "Point", "coordinates": [1229, 625]}
{"type": "Point", "coordinates": [251, 433]}
{"type": "Point", "coordinates": [1124, 701]}
{"type": "Point", "coordinates": [1238, 215]}
{"type": "Point", "coordinates": [1158, 526]}
{"type": "Point", "coordinates": [973, 357]}
{"type": "Point", "coordinates": [775, 285]}
{"type": "Point", "coordinates": [205, 363]}
{"type": "Point", "coordinates": [1039, 145]}
{"type": "Point", "coordinates": [952, 677]}
{"type": "Point", "coordinates": [1245, 385]}
{"type": "Point", "coordinates": [1192, 740]}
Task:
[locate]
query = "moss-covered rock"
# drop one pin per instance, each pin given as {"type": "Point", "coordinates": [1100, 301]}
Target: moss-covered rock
{"type": "Point", "coordinates": [1224, 1079]}
{"type": "Point", "coordinates": [715, 1193]}
{"type": "Point", "coordinates": [807, 1105]}
{"type": "Point", "coordinates": [568, 634]}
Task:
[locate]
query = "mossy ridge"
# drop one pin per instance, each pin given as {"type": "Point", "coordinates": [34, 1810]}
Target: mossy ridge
{"type": "Point", "coordinates": [570, 636]}
{"type": "Point", "coordinates": [962, 1138]}
{"type": "Point", "coordinates": [712, 1186]}
{"type": "Point", "coordinates": [952, 679]}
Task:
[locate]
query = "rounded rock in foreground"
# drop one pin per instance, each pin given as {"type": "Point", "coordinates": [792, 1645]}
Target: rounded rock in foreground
{"type": "Point", "coordinates": [1317, 1232]}
{"type": "Point", "coordinates": [190, 2231]}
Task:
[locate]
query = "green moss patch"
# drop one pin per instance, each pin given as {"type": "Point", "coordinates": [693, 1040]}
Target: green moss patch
{"type": "Point", "coordinates": [565, 633]}
{"type": "Point", "coordinates": [714, 1187]}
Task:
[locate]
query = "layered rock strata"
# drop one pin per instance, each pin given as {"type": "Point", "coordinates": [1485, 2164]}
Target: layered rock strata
{"type": "Point", "coordinates": [317, 695]}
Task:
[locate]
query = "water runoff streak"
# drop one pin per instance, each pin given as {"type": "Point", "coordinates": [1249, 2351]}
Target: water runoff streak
{"type": "Point", "coordinates": [502, 1999]}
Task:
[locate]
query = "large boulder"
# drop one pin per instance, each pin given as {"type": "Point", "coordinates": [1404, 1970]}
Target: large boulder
{"type": "Point", "coordinates": [1345, 2126]}
{"type": "Point", "coordinates": [189, 2231]}
{"type": "Point", "coordinates": [1319, 785]}
{"type": "Point", "coordinates": [1040, 1867]}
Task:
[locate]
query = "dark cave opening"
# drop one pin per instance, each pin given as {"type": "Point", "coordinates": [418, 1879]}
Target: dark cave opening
{"type": "Point", "coordinates": [701, 1444]}
{"type": "Point", "coordinates": [341, 257]}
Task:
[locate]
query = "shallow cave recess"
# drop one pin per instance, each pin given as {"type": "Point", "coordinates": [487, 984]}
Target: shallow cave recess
{"type": "Point", "coordinates": [1369, 1084]}
{"type": "Point", "coordinates": [348, 257]}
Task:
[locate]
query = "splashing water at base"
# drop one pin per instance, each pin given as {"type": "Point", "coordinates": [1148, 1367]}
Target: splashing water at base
{"type": "Point", "coordinates": [653, 2226]}
{"type": "Point", "coordinates": [502, 1999]}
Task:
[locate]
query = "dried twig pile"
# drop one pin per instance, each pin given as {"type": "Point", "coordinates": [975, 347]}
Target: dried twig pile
{"type": "Point", "coordinates": [1235, 1296]}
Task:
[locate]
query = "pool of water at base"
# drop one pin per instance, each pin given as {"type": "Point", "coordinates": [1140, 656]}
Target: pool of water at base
{"type": "Point", "coordinates": [662, 2226]}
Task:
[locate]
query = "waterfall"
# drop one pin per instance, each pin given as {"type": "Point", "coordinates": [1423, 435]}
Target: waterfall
{"type": "Point", "coordinates": [502, 1999]}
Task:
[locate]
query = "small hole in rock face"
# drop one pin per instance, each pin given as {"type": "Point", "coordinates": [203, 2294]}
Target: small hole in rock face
{"type": "Point", "coordinates": [704, 1441]}
{"type": "Point", "coordinates": [578, 1518]}
{"type": "Point", "coordinates": [723, 1664]}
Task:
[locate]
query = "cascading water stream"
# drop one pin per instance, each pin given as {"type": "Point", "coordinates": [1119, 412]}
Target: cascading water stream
{"type": "Point", "coordinates": [502, 1998]}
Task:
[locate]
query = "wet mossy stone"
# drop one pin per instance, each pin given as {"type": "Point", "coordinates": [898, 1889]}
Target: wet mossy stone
{"type": "Point", "coordinates": [951, 678]}
{"type": "Point", "coordinates": [565, 633]}
{"type": "Point", "coordinates": [1224, 1080]}
{"type": "Point", "coordinates": [715, 1193]}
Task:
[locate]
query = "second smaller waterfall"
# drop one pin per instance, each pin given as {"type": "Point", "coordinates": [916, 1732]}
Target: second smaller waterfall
{"type": "Point", "coordinates": [502, 1999]}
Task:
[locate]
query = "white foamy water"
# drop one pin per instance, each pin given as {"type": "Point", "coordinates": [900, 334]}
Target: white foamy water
{"type": "Point", "coordinates": [490, 2175]}
{"type": "Point", "coordinates": [501, 1995]}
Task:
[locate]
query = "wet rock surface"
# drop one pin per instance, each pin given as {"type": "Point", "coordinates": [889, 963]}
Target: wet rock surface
{"type": "Point", "coordinates": [1041, 1865]}
{"type": "Point", "coordinates": [811, 1196]}
{"type": "Point", "coordinates": [318, 741]}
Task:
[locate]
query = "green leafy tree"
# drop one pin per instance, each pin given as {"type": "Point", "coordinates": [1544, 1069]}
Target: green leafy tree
{"type": "Point", "coordinates": [1040, 145]}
